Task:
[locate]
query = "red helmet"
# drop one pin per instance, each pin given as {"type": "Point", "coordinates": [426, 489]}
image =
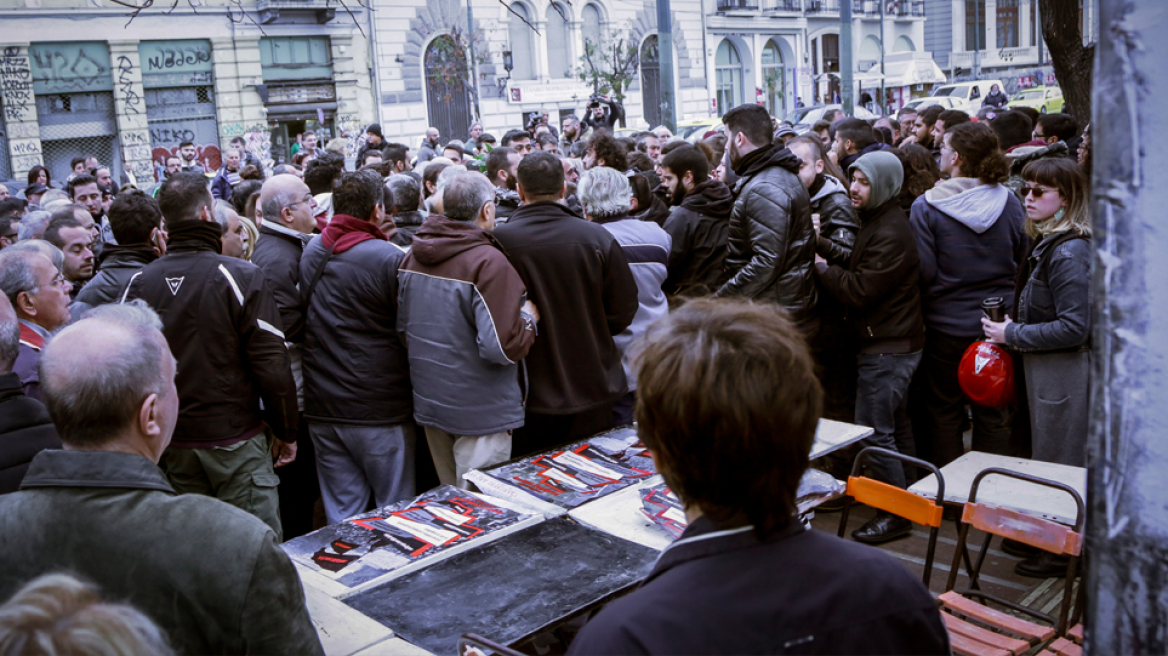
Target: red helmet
{"type": "Point", "coordinates": [986, 374]}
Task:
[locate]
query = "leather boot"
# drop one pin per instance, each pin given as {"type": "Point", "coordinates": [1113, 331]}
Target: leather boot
{"type": "Point", "coordinates": [882, 528]}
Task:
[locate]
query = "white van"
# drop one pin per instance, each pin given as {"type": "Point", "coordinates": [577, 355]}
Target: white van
{"type": "Point", "coordinates": [967, 96]}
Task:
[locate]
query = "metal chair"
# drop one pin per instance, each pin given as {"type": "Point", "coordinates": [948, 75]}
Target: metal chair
{"type": "Point", "coordinates": [486, 646]}
{"type": "Point", "coordinates": [918, 509]}
{"type": "Point", "coordinates": [1010, 634]}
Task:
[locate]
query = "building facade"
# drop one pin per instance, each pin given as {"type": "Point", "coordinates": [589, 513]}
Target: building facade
{"type": "Point", "coordinates": [81, 79]}
{"type": "Point", "coordinates": [990, 39]}
{"type": "Point", "coordinates": [783, 52]}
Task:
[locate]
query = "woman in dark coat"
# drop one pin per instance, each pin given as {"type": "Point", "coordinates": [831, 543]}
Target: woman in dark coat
{"type": "Point", "coordinates": [1053, 309]}
{"type": "Point", "coordinates": [995, 98]}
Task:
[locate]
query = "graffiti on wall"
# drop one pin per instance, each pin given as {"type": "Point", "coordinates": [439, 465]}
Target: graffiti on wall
{"type": "Point", "coordinates": [70, 67]}
{"type": "Point", "coordinates": [259, 143]}
{"type": "Point", "coordinates": [16, 87]}
{"type": "Point", "coordinates": [131, 100]}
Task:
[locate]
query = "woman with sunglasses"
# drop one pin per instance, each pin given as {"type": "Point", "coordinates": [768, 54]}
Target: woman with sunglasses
{"type": "Point", "coordinates": [1053, 310]}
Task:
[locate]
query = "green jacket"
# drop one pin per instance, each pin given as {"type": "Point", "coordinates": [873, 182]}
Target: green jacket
{"type": "Point", "coordinates": [212, 576]}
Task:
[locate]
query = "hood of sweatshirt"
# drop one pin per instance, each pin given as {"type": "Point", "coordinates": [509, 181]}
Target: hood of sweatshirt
{"type": "Point", "coordinates": [440, 239]}
{"type": "Point", "coordinates": [830, 186]}
{"type": "Point", "coordinates": [969, 202]}
{"type": "Point", "coordinates": [711, 198]}
{"type": "Point", "coordinates": [885, 173]}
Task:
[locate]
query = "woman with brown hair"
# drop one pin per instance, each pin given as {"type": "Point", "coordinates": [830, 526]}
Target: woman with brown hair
{"type": "Point", "coordinates": [920, 173]}
{"type": "Point", "coordinates": [1053, 310]}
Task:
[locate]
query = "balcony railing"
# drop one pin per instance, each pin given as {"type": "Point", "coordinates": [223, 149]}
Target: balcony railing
{"type": "Point", "coordinates": [822, 6]}
{"type": "Point", "coordinates": [909, 7]}
{"type": "Point", "coordinates": [783, 5]}
{"type": "Point", "coordinates": [737, 5]}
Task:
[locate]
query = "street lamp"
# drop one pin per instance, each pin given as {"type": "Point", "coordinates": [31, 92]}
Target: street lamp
{"type": "Point", "coordinates": [508, 64]}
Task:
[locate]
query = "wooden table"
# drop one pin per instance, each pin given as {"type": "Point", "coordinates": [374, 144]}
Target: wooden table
{"type": "Point", "coordinates": [1010, 493]}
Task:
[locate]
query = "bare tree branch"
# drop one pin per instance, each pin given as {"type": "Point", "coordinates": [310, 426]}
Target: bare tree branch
{"type": "Point", "coordinates": [519, 16]}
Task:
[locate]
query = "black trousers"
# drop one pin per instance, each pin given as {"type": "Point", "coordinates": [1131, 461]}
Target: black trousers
{"type": "Point", "coordinates": [299, 487]}
{"type": "Point", "coordinates": [944, 405]}
{"type": "Point", "coordinates": [542, 432]}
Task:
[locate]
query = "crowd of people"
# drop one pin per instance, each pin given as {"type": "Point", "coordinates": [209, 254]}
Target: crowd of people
{"type": "Point", "coordinates": [220, 350]}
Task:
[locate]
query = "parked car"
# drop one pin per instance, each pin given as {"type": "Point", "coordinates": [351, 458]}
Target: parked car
{"type": "Point", "coordinates": [921, 103]}
{"type": "Point", "coordinates": [805, 117]}
{"type": "Point", "coordinates": [968, 96]}
{"type": "Point", "coordinates": [694, 131]}
{"type": "Point", "coordinates": [1047, 100]}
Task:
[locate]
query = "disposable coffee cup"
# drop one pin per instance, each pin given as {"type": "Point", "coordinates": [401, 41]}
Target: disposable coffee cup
{"type": "Point", "coordinates": [994, 308]}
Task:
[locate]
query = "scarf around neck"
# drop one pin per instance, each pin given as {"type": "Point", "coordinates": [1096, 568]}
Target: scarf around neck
{"type": "Point", "coordinates": [193, 235]}
{"type": "Point", "coordinates": [347, 231]}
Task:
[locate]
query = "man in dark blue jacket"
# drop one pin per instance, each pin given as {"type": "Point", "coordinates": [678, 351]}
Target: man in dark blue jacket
{"type": "Point", "coordinates": [729, 404]}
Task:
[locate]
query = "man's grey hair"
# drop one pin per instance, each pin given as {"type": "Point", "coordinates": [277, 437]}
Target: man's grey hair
{"type": "Point", "coordinates": [33, 225]}
{"type": "Point", "coordinates": [54, 195]}
{"type": "Point", "coordinates": [9, 344]}
{"type": "Point", "coordinates": [407, 192]}
{"type": "Point", "coordinates": [16, 271]}
{"type": "Point", "coordinates": [445, 176]}
{"type": "Point", "coordinates": [223, 212]}
{"type": "Point", "coordinates": [90, 405]}
{"type": "Point", "coordinates": [55, 255]}
{"type": "Point", "coordinates": [276, 203]}
{"type": "Point", "coordinates": [465, 194]}
{"type": "Point", "coordinates": [604, 192]}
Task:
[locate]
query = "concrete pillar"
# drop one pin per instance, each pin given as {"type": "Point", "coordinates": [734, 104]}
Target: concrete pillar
{"type": "Point", "coordinates": [355, 107]}
{"type": "Point", "coordinates": [539, 42]}
{"type": "Point", "coordinates": [1024, 40]}
{"type": "Point", "coordinates": [1127, 525]}
{"type": "Point", "coordinates": [238, 106]}
{"type": "Point", "coordinates": [130, 107]}
{"type": "Point", "coordinates": [991, 21]}
{"type": "Point", "coordinates": [20, 113]}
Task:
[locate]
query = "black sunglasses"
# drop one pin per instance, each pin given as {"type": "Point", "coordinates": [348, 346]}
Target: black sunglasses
{"type": "Point", "coordinates": [1037, 191]}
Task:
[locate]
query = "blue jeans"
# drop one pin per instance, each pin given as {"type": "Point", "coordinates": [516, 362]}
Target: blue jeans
{"type": "Point", "coordinates": [881, 402]}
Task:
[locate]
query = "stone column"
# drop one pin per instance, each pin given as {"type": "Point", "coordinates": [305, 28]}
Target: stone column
{"type": "Point", "coordinates": [238, 105]}
{"type": "Point", "coordinates": [20, 113]}
{"type": "Point", "coordinates": [354, 90]}
{"type": "Point", "coordinates": [991, 21]}
{"type": "Point", "coordinates": [130, 106]}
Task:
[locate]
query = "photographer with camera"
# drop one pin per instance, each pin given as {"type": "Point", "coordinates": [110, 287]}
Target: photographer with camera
{"type": "Point", "coordinates": [598, 117]}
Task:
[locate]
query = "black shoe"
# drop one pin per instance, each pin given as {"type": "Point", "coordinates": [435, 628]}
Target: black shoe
{"type": "Point", "coordinates": [1043, 566]}
{"type": "Point", "coordinates": [833, 505]}
{"type": "Point", "coordinates": [882, 528]}
{"type": "Point", "coordinates": [1020, 549]}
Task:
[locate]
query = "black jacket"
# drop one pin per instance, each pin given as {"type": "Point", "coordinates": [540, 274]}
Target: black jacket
{"type": "Point", "coordinates": [881, 285]}
{"type": "Point", "coordinates": [796, 592]}
{"type": "Point", "coordinates": [506, 202]}
{"type": "Point", "coordinates": [1053, 307]}
{"type": "Point", "coordinates": [278, 255]}
{"type": "Point", "coordinates": [699, 228]}
{"type": "Point", "coordinates": [577, 275]}
{"type": "Point", "coordinates": [407, 224]}
{"type": "Point", "coordinates": [117, 266]}
{"type": "Point", "coordinates": [616, 112]}
{"type": "Point", "coordinates": [355, 366]}
{"type": "Point", "coordinates": [657, 212]}
{"type": "Point", "coordinates": [838, 223]}
{"type": "Point", "coordinates": [224, 329]}
{"type": "Point", "coordinates": [25, 430]}
{"type": "Point", "coordinates": [772, 240]}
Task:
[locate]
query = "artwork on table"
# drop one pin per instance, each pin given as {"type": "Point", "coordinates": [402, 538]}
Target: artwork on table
{"type": "Point", "coordinates": [579, 472]}
{"type": "Point", "coordinates": [375, 543]}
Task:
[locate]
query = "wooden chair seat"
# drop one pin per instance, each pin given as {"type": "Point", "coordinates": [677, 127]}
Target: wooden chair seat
{"type": "Point", "coordinates": [959, 627]}
{"type": "Point", "coordinates": [963, 646]}
{"type": "Point", "coordinates": [1076, 634]}
{"type": "Point", "coordinates": [1064, 647]}
{"type": "Point", "coordinates": [1029, 631]}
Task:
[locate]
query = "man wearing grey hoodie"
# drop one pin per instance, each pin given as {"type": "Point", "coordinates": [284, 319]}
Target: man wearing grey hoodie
{"type": "Point", "coordinates": [879, 283]}
{"type": "Point", "coordinates": [970, 236]}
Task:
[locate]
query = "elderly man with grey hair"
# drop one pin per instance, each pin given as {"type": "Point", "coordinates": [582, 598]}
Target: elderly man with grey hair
{"type": "Point", "coordinates": [39, 293]}
{"type": "Point", "coordinates": [605, 194]}
{"type": "Point", "coordinates": [211, 575]}
{"type": "Point", "coordinates": [467, 322]}
{"type": "Point", "coordinates": [33, 225]}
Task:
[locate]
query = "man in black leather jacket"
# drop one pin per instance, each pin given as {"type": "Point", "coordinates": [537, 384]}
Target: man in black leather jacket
{"type": "Point", "coordinates": [772, 242]}
{"type": "Point", "coordinates": [136, 223]}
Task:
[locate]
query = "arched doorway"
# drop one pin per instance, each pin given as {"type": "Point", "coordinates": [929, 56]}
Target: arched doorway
{"type": "Point", "coordinates": [772, 78]}
{"type": "Point", "coordinates": [728, 70]}
{"type": "Point", "coordinates": [651, 81]}
{"type": "Point", "coordinates": [447, 91]}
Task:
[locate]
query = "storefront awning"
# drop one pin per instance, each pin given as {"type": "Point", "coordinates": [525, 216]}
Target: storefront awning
{"type": "Point", "coordinates": [902, 69]}
{"type": "Point", "coordinates": [292, 111]}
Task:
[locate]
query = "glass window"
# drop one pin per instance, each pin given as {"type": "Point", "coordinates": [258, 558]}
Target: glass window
{"type": "Point", "coordinates": [557, 42]}
{"type": "Point", "coordinates": [772, 75]}
{"type": "Point", "coordinates": [521, 51]}
{"type": "Point", "coordinates": [975, 25]}
{"type": "Point", "coordinates": [1007, 23]}
{"type": "Point", "coordinates": [591, 20]}
{"type": "Point", "coordinates": [728, 67]}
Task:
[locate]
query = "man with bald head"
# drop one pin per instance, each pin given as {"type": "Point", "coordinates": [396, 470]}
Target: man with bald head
{"type": "Point", "coordinates": [287, 209]}
{"type": "Point", "coordinates": [211, 576]}
{"type": "Point", "coordinates": [40, 295]}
